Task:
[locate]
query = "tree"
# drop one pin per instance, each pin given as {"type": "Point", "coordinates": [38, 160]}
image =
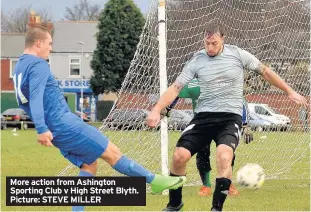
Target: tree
{"type": "Point", "coordinates": [16, 20]}
{"type": "Point", "coordinates": [83, 11]}
{"type": "Point", "coordinates": [120, 26]}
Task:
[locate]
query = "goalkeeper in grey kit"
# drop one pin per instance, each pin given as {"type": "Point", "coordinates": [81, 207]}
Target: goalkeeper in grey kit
{"type": "Point", "coordinates": [219, 69]}
{"type": "Point", "coordinates": [192, 91]}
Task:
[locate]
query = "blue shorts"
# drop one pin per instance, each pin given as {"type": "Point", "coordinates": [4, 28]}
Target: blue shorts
{"type": "Point", "coordinates": [79, 142]}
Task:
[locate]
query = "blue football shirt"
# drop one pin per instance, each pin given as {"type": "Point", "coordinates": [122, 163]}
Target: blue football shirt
{"type": "Point", "coordinates": [38, 94]}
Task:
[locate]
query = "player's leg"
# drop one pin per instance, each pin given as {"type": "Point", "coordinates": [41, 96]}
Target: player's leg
{"type": "Point", "coordinates": [65, 144]}
{"type": "Point", "coordinates": [126, 166]}
{"type": "Point", "coordinates": [84, 144]}
{"type": "Point", "coordinates": [86, 171]}
{"type": "Point", "coordinates": [227, 140]}
{"type": "Point", "coordinates": [204, 168]}
{"type": "Point", "coordinates": [224, 156]}
{"type": "Point", "coordinates": [191, 141]}
{"type": "Point", "coordinates": [178, 169]}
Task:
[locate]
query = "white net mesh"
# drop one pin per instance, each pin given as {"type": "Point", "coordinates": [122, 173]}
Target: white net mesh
{"type": "Point", "coordinates": [276, 31]}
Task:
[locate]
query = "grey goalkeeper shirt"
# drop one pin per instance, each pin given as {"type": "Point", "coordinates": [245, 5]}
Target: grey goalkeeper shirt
{"type": "Point", "coordinates": [220, 78]}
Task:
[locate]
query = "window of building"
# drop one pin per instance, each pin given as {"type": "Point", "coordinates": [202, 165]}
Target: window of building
{"type": "Point", "coordinates": [74, 67]}
{"type": "Point", "coordinates": [12, 66]}
{"type": "Point", "coordinates": [261, 111]}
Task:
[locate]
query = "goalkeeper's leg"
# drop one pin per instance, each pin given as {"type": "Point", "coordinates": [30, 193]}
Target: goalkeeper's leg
{"type": "Point", "coordinates": [204, 168]}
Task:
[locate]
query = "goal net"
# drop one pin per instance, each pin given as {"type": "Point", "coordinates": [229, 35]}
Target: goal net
{"type": "Point", "coordinates": [276, 31]}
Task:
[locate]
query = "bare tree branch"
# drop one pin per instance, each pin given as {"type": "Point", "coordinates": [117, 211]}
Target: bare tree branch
{"type": "Point", "coordinates": [16, 20]}
{"type": "Point", "coordinates": [83, 11]}
{"type": "Point", "coordinates": [4, 24]}
{"type": "Point", "coordinates": [44, 14]}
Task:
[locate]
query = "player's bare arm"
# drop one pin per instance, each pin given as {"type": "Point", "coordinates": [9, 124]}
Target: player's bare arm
{"type": "Point", "coordinates": [165, 100]}
{"type": "Point", "coordinates": [168, 96]}
{"type": "Point", "coordinates": [274, 79]}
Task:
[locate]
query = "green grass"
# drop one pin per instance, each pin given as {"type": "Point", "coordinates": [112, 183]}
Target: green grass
{"type": "Point", "coordinates": [22, 156]}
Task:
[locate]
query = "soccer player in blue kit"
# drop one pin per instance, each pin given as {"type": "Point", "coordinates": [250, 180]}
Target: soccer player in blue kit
{"type": "Point", "coordinates": [38, 94]}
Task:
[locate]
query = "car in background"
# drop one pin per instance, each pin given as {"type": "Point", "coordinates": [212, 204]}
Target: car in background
{"type": "Point", "coordinates": [265, 113]}
{"type": "Point", "coordinates": [257, 124]}
{"type": "Point", "coordinates": [127, 119]}
{"type": "Point", "coordinates": [178, 120]}
{"type": "Point", "coordinates": [130, 119]}
{"type": "Point", "coordinates": [189, 112]}
{"type": "Point", "coordinates": [16, 117]}
{"type": "Point", "coordinates": [3, 123]}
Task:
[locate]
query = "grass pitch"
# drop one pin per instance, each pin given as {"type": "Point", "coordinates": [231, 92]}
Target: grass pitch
{"type": "Point", "coordinates": [21, 155]}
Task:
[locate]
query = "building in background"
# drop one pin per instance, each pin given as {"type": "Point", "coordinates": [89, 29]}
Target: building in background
{"type": "Point", "coordinates": [12, 45]}
{"type": "Point", "coordinates": [73, 46]}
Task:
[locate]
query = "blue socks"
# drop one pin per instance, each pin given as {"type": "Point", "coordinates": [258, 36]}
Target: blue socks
{"type": "Point", "coordinates": [125, 166]}
{"type": "Point", "coordinates": [85, 174]}
{"type": "Point", "coordinates": [81, 174]}
{"type": "Point", "coordinates": [131, 168]}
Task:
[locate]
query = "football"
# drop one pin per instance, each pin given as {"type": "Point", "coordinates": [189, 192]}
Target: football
{"type": "Point", "coordinates": [251, 176]}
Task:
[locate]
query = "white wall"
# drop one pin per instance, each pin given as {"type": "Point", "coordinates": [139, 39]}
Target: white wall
{"type": "Point", "coordinates": [60, 65]}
